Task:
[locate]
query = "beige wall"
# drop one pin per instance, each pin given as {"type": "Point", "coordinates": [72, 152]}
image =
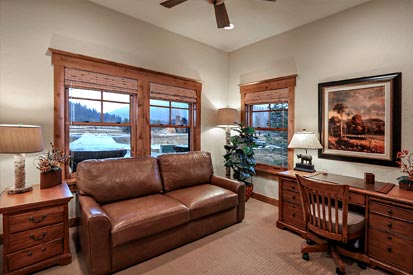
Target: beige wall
{"type": "Point", "coordinates": [374, 38]}
{"type": "Point", "coordinates": [28, 28]}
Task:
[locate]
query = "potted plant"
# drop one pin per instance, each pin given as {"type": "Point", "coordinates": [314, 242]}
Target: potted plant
{"type": "Point", "coordinates": [50, 167]}
{"type": "Point", "coordinates": [405, 163]}
{"type": "Point", "coordinates": [240, 157]}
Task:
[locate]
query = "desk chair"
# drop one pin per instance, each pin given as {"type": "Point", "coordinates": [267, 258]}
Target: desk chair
{"type": "Point", "coordinates": [329, 223]}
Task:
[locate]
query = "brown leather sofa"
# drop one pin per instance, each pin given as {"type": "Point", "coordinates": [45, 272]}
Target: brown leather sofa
{"type": "Point", "coordinates": [136, 208]}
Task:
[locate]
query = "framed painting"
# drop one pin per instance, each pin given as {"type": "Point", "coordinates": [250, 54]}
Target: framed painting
{"type": "Point", "coordinates": [360, 119]}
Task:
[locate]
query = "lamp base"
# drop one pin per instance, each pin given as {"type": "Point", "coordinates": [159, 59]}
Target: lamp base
{"type": "Point", "coordinates": [19, 190]}
{"type": "Point", "coordinates": [304, 167]}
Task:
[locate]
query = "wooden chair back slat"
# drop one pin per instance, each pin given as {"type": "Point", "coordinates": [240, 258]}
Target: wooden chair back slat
{"type": "Point", "coordinates": [321, 203]}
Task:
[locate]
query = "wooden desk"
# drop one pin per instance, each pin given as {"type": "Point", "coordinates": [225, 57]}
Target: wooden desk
{"type": "Point", "coordinates": [388, 240]}
{"type": "Point", "coordinates": [35, 229]}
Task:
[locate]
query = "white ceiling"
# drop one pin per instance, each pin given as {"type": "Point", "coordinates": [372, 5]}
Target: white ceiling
{"type": "Point", "coordinates": [254, 20]}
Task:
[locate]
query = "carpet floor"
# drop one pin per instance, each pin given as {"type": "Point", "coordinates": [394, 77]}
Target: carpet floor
{"type": "Point", "coordinates": [254, 247]}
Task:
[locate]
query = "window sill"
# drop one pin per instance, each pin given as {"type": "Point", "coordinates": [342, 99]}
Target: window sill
{"type": "Point", "coordinates": [268, 171]}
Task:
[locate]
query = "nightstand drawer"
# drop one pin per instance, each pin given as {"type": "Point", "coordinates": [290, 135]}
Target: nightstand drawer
{"type": "Point", "coordinates": [34, 237]}
{"type": "Point", "coordinates": [292, 197]}
{"type": "Point", "coordinates": [290, 185]}
{"type": "Point", "coordinates": [391, 211]}
{"type": "Point", "coordinates": [388, 224]}
{"type": "Point", "coordinates": [35, 219]}
{"type": "Point", "coordinates": [293, 214]}
{"type": "Point", "coordinates": [34, 254]}
{"type": "Point", "coordinates": [390, 249]}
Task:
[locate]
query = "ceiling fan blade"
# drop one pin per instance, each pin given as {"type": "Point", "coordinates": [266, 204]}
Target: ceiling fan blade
{"type": "Point", "coordinates": [172, 3]}
{"type": "Point", "coordinates": [221, 15]}
{"type": "Point", "coordinates": [271, 0]}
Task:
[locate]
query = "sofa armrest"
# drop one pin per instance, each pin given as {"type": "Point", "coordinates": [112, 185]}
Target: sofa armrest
{"type": "Point", "coordinates": [236, 187]}
{"type": "Point", "coordinates": [94, 234]}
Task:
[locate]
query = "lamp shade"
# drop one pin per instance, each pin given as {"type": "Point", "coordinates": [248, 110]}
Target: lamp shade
{"type": "Point", "coordinates": [304, 140]}
{"type": "Point", "coordinates": [227, 117]}
{"type": "Point", "coordinates": [16, 139]}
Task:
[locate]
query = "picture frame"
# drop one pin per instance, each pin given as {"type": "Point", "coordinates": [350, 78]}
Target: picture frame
{"type": "Point", "coordinates": [360, 119]}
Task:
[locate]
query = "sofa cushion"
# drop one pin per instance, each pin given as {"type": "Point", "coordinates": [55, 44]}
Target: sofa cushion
{"type": "Point", "coordinates": [205, 199]}
{"type": "Point", "coordinates": [142, 217]}
{"type": "Point", "coordinates": [110, 180]}
{"type": "Point", "coordinates": [185, 169]}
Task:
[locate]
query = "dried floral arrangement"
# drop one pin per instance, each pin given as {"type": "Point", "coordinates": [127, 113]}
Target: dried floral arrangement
{"type": "Point", "coordinates": [53, 160]}
{"type": "Point", "coordinates": [406, 164]}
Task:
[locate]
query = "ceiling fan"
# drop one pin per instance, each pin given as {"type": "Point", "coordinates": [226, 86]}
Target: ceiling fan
{"type": "Point", "coordinates": [221, 13]}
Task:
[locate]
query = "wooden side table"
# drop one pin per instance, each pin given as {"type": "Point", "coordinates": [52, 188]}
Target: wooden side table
{"type": "Point", "coordinates": [35, 229]}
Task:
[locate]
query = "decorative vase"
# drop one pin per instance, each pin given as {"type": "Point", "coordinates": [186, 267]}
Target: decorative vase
{"type": "Point", "coordinates": [50, 178]}
{"type": "Point", "coordinates": [406, 185]}
{"type": "Point", "coordinates": [248, 191]}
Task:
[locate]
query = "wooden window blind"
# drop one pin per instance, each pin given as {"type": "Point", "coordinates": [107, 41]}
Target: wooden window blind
{"type": "Point", "coordinates": [271, 96]}
{"type": "Point", "coordinates": [75, 78]}
{"type": "Point", "coordinates": [170, 93]}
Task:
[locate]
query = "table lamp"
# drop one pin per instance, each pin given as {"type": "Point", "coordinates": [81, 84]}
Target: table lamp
{"type": "Point", "coordinates": [227, 118]}
{"type": "Point", "coordinates": [305, 140]}
{"type": "Point", "coordinates": [18, 140]}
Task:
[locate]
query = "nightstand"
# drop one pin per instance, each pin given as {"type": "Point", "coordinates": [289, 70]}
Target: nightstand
{"type": "Point", "coordinates": [35, 229]}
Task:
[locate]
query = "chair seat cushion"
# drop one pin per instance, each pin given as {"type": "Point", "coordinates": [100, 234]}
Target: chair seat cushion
{"type": "Point", "coordinates": [142, 217]}
{"type": "Point", "coordinates": [206, 199]}
{"type": "Point", "coordinates": [355, 221]}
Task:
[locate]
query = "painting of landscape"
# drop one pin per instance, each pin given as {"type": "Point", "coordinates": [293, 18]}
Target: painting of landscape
{"type": "Point", "coordinates": [356, 120]}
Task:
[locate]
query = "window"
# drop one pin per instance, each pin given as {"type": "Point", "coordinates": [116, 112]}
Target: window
{"type": "Point", "coordinates": [105, 109]}
{"type": "Point", "coordinates": [268, 107]}
{"type": "Point", "coordinates": [99, 125]}
{"type": "Point", "coordinates": [271, 130]}
{"type": "Point", "coordinates": [172, 115]}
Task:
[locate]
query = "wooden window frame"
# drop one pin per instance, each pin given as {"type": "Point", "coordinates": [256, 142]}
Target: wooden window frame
{"type": "Point", "coordinates": [286, 82]}
{"type": "Point", "coordinates": [140, 132]}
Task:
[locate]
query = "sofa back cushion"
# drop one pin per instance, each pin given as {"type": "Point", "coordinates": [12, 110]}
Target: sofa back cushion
{"type": "Point", "coordinates": [110, 180]}
{"type": "Point", "coordinates": [185, 169]}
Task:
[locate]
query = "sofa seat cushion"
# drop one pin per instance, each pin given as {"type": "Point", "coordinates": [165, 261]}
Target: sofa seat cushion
{"type": "Point", "coordinates": [142, 217]}
{"type": "Point", "coordinates": [206, 199]}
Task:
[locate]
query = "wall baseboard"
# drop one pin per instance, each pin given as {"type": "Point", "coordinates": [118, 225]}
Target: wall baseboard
{"type": "Point", "coordinates": [265, 199]}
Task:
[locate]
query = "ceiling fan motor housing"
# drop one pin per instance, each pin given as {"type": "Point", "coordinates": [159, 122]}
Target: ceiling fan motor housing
{"type": "Point", "coordinates": [216, 2]}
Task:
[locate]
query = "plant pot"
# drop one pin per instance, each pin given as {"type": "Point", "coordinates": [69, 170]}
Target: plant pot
{"type": "Point", "coordinates": [248, 191]}
{"type": "Point", "coordinates": [50, 179]}
{"type": "Point", "coordinates": [406, 185]}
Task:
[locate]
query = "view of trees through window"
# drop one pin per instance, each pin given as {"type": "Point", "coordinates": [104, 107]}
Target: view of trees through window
{"type": "Point", "coordinates": [271, 129]}
{"type": "Point", "coordinates": [99, 125]}
{"type": "Point", "coordinates": [170, 126]}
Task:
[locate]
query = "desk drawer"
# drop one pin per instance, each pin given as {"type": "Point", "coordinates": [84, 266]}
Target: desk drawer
{"type": "Point", "coordinates": [391, 211]}
{"type": "Point", "coordinates": [391, 225]}
{"type": "Point", "coordinates": [293, 214]}
{"type": "Point", "coordinates": [35, 219]}
{"type": "Point", "coordinates": [292, 197]}
{"type": "Point", "coordinates": [34, 237]}
{"type": "Point", "coordinates": [390, 249]}
{"type": "Point", "coordinates": [290, 185]}
{"type": "Point", "coordinates": [356, 198]}
{"type": "Point", "coordinates": [34, 254]}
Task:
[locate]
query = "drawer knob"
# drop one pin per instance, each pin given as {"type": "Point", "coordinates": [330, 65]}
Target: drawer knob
{"type": "Point", "coordinates": [33, 219]}
{"type": "Point", "coordinates": [293, 197]}
{"type": "Point", "coordinates": [29, 253]}
{"type": "Point", "coordinates": [390, 211]}
{"type": "Point", "coordinates": [293, 214]}
{"type": "Point", "coordinates": [389, 249]}
{"type": "Point", "coordinates": [389, 225]}
{"type": "Point", "coordinates": [44, 249]}
{"type": "Point", "coordinates": [44, 234]}
{"type": "Point", "coordinates": [389, 237]}
{"type": "Point", "coordinates": [293, 187]}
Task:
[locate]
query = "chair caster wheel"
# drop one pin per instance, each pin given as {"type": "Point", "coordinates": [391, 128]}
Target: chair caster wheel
{"type": "Point", "coordinates": [362, 265]}
{"type": "Point", "coordinates": [309, 242]}
{"type": "Point", "coordinates": [338, 271]}
{"type": "Point", "coordinates": [306, 257]}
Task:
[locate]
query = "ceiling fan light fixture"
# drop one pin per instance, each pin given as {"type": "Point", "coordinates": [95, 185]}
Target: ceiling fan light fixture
{"type": "Point", "coordinates": [230, 27]}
